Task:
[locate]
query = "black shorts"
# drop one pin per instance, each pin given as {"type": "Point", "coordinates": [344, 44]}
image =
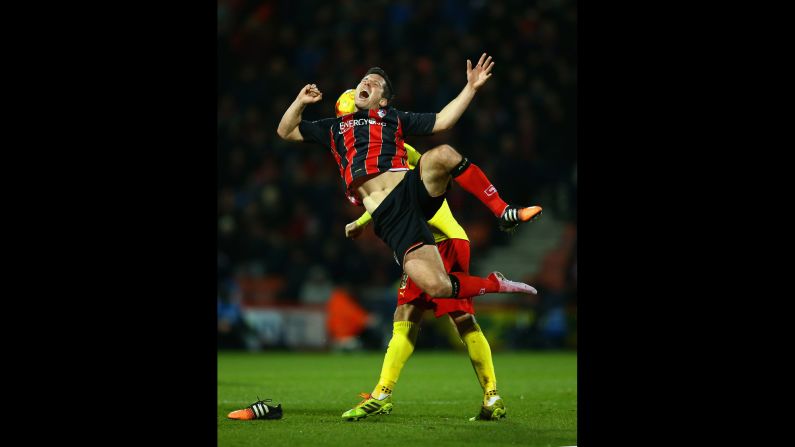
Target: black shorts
{"type": "Point", "coordinates": [401, 219]}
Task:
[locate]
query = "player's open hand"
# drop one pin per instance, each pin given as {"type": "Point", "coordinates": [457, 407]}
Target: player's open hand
{"type": "Point", "coordinates": [478, 76]}
{"type": "Point", "coordinates": [309, 94]}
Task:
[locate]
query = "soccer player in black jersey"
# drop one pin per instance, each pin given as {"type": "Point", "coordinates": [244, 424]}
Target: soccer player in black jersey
{"type": "Point", "coordinates": [368, 148]}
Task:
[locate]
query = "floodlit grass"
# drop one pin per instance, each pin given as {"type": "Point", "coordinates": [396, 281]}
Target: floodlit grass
{"type": "Point", "coordinates": [434, 398]}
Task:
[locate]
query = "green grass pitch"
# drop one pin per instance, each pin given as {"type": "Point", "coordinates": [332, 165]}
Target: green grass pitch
{"type": "Point", "coordinates": [436, 394]}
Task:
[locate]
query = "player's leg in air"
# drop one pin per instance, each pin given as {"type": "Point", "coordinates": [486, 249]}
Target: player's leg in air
{"type": "Point", "coordinates": [443, 162]}
{"type": "Point", "coordinates": [421, 261]}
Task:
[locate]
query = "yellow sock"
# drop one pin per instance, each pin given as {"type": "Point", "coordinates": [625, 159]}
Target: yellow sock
{"type": "Point", "coordinates": [404, 335]}
{"type": "Point", "coordinates": [480, 355]}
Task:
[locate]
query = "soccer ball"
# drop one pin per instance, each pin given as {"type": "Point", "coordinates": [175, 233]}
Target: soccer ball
{"type": "Point", "coordinates": [346, 103]}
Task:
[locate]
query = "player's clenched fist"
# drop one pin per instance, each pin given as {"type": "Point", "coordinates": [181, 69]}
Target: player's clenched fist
{"type": "Point", "coordinates": [309, 94]}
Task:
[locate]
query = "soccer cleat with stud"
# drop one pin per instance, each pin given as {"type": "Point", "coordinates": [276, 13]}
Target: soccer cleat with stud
{"type": "Point", "coordinates": [513, 216]}
{"type": "Point", "coordinates": [258, 410]}
{"type": "Point", "coordinates": [491, 412]}
{"type": "Point", "coordinates": [368, 407]}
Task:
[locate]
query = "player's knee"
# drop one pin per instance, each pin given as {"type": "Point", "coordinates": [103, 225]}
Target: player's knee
{"type": "Point", "coordinates": [450, 156]}
{"type": "Point", "coordinates": [441, 288]}
{"type": "Point", "coordinates": [445, 155]}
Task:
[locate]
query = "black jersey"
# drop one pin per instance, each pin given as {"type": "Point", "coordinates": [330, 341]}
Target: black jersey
{"type": "Point", "coordinates": [368, 141]}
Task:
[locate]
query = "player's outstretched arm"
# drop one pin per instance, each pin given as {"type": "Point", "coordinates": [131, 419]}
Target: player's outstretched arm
{"type": "Point", "coordinates": [288, 126]}
{"type": "Point", "coordinates": [476, 77]}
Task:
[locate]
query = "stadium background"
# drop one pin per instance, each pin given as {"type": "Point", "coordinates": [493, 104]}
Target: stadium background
{"type": "Point", "coordinates": [282, 254]}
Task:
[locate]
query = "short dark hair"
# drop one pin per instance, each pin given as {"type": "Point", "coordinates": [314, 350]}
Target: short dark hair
{"type": "Point", "coordinates": [388, 92]}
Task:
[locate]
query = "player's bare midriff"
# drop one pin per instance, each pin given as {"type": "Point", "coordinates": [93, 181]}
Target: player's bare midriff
{"type": "Point", "coordinates": [375, 189]}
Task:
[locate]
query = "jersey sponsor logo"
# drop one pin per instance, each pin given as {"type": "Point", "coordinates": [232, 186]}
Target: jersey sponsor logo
{"type": "Point", "coordinates": [350, 124]}
{"type": "Point", "coordinates": [490, 190]}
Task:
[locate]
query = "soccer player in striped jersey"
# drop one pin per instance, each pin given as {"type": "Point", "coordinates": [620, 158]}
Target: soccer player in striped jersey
{"type": "Point", "coordinates": [369, 149]}
{"type": "Point", "coordinates": [453, 245]}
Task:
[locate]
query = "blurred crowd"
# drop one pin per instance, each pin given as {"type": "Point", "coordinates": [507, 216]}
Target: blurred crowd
{"type": "Point", "coordinates": [281, 208]}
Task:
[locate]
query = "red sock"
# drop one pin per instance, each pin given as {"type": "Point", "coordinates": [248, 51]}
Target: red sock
{"type": "Point", "coordinates": [469, 286]}
{"type": "Point", "coordinates": [476, 183]}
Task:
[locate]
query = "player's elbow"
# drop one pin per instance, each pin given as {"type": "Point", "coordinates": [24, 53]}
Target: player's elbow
{"type": "Point", "coordinates": [291, 135]}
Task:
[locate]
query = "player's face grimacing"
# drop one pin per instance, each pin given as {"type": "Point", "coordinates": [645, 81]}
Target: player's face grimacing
{"type": "Point", "coordinates": [370, 92]}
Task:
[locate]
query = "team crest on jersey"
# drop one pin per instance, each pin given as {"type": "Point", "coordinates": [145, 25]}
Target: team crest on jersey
{"type": "Point", "coordinates": [381, 113]}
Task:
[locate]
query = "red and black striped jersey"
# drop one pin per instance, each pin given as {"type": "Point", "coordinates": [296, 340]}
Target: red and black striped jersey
{"type": "Point", "coordinates": [368, 141]}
